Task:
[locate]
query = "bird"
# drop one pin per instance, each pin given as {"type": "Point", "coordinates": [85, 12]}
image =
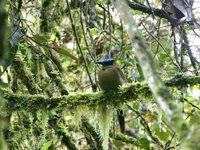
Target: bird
{"type": "Point", "coordinates": [110, 78]}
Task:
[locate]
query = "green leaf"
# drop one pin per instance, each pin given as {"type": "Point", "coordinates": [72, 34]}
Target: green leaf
{"type": "Point", "coordinates": [160, 133]}
{"type": "Point", "coordinates": [144, 143]}
{"type": "Point", "coordinates": [40, 38]}
{"type": "Point", "coordinates": [136, 105]}
{"type": "Point", "coordinates": [3, 84]}
{"type": "Point", "coordinates": [47, 145]}
{"type": "Point", "coordinates": [139, 69]}
{"type": "Point", "coordinates": [194, 119]}
{"type": "Point", "coordinates": [62, 50]}
{"type": "Point", "coordinates": [93, 31]}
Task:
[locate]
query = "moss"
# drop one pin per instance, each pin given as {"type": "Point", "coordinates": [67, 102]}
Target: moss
{"type": "Point", "coordinates": [105, 117]}
{"type": "Point", "coordinates": [125, 138]}
{"type": "Point", "coordinates": [25, 75]}
{"type": "Point", "coordinates": [87, 103]}
{"type": "Point", "coordinates": [182, 80]}
{"type": "Point", "coordinates": [127, 93]}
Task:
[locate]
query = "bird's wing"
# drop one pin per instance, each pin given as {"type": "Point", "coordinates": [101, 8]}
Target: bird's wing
{"type": "Point", "coordinates": [121, 73]}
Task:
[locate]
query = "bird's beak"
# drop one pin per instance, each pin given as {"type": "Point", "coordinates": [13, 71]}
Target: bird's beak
{"type": "Point", "coordinates": [99, 62]}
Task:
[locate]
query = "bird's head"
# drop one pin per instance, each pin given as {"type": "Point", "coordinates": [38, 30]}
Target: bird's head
{"type": "Point", "coordinates": [106, 61]}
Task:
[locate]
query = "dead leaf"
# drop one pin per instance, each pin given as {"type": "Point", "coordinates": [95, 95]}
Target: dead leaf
{"type": "Point", "coordinates": [178, 11]}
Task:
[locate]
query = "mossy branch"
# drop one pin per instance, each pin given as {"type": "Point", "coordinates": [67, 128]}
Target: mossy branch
{"type": "Point", "coordinates": [67, 140]}
{"type": "Point", "coordinates": [55, 77]}
{"type": "Point", "coordinates": [91, 131]}
{"type": "Point", "coordinates": [125, 94]}
{"type": "Point", "coordinates": [182, 80]}
{"type": "Point", "coordinates": [24, 73]}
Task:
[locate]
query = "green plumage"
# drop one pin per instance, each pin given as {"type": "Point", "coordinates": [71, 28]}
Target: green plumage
{"type": "Point", "coordinates": [110, 78]}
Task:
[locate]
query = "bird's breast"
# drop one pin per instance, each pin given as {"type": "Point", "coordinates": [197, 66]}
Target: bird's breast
{"type": "Point", "coordinates": [110, 79]}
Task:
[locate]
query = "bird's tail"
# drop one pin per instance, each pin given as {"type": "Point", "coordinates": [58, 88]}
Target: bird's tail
{"type": "Point", "coordinates": [121, 119]}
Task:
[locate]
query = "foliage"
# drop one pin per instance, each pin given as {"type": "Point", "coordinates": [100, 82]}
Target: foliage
{"type": "Point", "coordinates": [49, 92]}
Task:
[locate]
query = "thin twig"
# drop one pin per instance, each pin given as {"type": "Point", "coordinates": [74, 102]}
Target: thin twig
{"type": "Point", "coordinates": [78, 44]}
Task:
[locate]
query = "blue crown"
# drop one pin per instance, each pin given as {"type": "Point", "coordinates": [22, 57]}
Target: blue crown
{"type": "Point", "coordinates": [106, 60]}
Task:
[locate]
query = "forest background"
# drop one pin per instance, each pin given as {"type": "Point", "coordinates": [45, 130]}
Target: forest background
{"type": "Point", "coordinates": [49, 92]}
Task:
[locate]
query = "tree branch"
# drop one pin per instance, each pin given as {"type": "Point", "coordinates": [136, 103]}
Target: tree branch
{"type": "Point", "coordinates": [157, 12]}
{"type": "Point", "coordinates": [125, 94]}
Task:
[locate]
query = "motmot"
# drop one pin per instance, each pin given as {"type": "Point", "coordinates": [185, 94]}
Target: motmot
{"type": "Point", "coordinates": [110, 78]}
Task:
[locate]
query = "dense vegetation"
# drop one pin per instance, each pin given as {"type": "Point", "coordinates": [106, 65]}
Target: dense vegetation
{"type": "Point", "coordinates": [49, 92]}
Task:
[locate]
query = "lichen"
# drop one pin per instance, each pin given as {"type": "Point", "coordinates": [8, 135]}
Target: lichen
{"type": "Point", "coordinates": [105, 117]}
